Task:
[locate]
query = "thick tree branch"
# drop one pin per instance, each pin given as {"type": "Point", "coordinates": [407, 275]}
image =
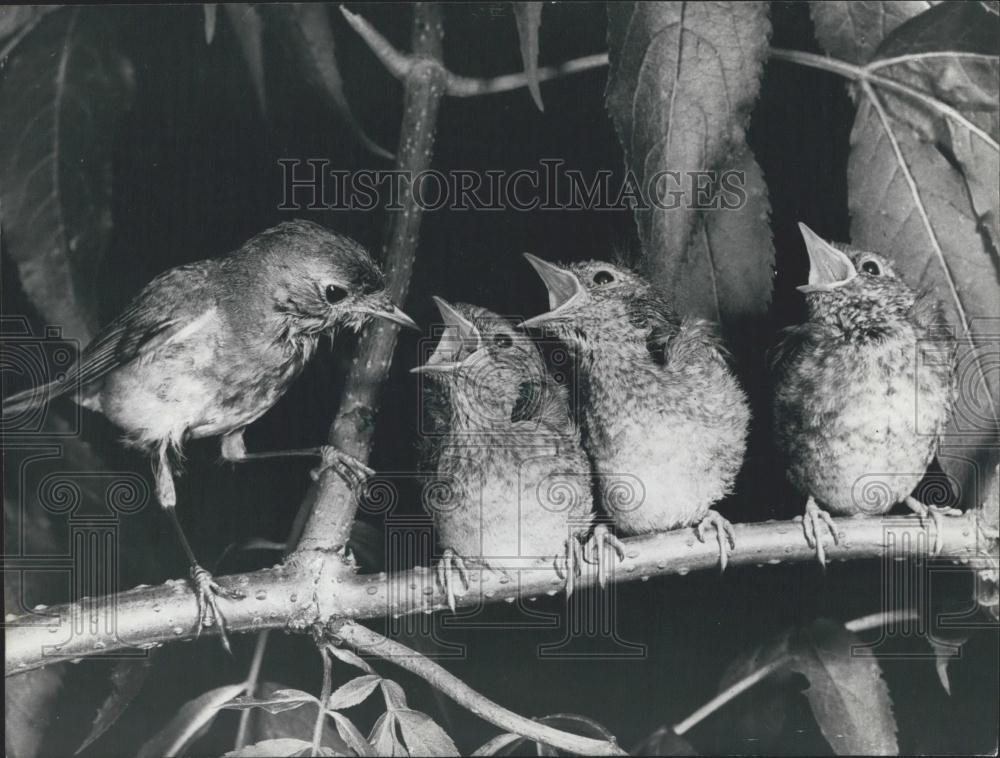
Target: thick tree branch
{"type": "Point", "coordinates": [332, 504]}
{"type": "Point", "coordinates": [308, 590]}
{"type": "Point", "coordinates": [371, 643]}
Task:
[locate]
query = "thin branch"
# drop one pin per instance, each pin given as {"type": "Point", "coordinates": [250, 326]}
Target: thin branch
{"type": "Point", "coordinates": [366, 641]}
{"type": "Point", "coordinates": [332, 504]}
{"type": "Point", "coordinates": [864, 74]}
{"type": "Point", "coordinates": [253, 676]}
{"type": "Point", "coordinates": [324, 698]}
{"type": "Point", "coordinates": [872, 621]}
{"type": "Point", "coordinates": [299, 594]}
{"type": "Point", "coordinates": [400, 65]}
{"type": "Point", "coordinates": [915, 57]}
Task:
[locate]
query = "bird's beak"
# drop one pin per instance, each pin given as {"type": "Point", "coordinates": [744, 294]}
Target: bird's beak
{"type": "Point", "coordinates": [564, 290]}
{"type": "Point", "coordinates": [458, 331]}
{"type": "Point", "coordinates": [384, 308]}
{"type": "Point", "coordinates": [829, 267]}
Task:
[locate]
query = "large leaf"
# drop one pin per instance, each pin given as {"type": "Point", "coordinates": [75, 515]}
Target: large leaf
{"type": "Point", "coordinates": [127, 678]}
{"type": "Point", "coordinates": [529, 20]}
{"type": "Point", "coordinates": [61, 100]}
{"type": "Point", "coordinates": [912, 201]}
{"type": "Point", "coordinates": [29, 700]}
{"type": "Point", "coordinates": [188, 722]}
{"type": "Point", "coordinates": [728, 271]}
{"type": "Point", "coordinates": [305, 27]}
{"type": "Point", "coordinates": [846, 692]}
{"type": "Point", "coordinates": [852, 31]}
{"type": "Point", "coordinates": [683, 78]}
{"type": "Point", "coordinates": [422, 735]}
{"type": "Point", "coordinates": [385, 738]}
{"type": "Point", "coordinates": [248, 27]}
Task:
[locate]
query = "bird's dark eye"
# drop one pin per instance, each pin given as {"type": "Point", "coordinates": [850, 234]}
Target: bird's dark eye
{"type": "Point", "coordinates": [603, 277]}
{"type": "Point", "coordinates": [502, 340]}
{"type": "Point", "coordinates": [335, 294]}
{"type": "Point", "coordinates": [871, 267]}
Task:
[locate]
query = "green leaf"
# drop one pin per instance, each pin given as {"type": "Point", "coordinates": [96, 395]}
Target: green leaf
{"type": "Point", "coordinates": [384, 738]}
{"type": "Point", "coordinates": [192, 717]}
{"type": "Point", "coordinates": [846, 692]}
{"type": "Point", "coordinates": [353, 692]}
{"type": "Point", "coordinates": [279, 747]}
{"type": "Point", "coordinates": [127, 678]}
{"type": "Point", "coordinates": [852, 31]}
{"type": "Point", "coordinates": [422, 735]}
{"type": "Point", "coordinates": [529, 19]}
{"type": "Point", "coordinates": [395, 698]}
{"type": "Point", "coordinates": [29, 707]}
{"type": "Point", "coordinates": [277, 702]}
{"type": "Point", "coordinates": [682, 81]}
{"type": "Point", "coordinates": [350, 657]}
{"type": "Point", "coordinates": [249, 30]}
{"type": "Point", "coordinates": [727, 273]}
{"type": "Point", "coordinates": [62, 97]}
{"type": "Point", "coordinates": [296, 723]}
{"type": "Point", "coordinates": [351, 735]}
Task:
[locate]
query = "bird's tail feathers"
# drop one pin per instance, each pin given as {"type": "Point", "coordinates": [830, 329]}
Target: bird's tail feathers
{"type": "Point", "coordinates": [34, 397]}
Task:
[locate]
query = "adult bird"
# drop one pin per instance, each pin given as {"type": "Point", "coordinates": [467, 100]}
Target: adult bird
{"type": "Point", "coordinates": [511, 482]}
{"type": "Point", "coordinates": [664, 419]}
{"type": "Point", "coordinates": [206, 348]}
{"type": "Point", "coordinates": [863, 389]}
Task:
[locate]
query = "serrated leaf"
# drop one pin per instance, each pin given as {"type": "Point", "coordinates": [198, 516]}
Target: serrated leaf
{"type": "Point", "coordinates": [249, 30]}
{"type": "Point", "coordinates": [279, 747]}
{"type": "Point", "coordinates": [306, 30]}
{"type": "Point", "coordinates": [682, 80]}
{"type": "Point", "coordinates": [296, 723]}
{"type": "Point", "coordinates": [384, 738]}
{"type": "Point", "coordinates": [350, 657]}
{"type": "Point", "coordinates": [394, 695]}
{"type": "Point", "coordinates": [727, 272]}
{"type": "Point", "coordinates": [350, 734]}
{"type": "Point", "coordinates": [529, 19]}
{"type": "Point", "coordinates": [422, 734]}
{"type": "Point", "coordinates": [211, 17]}
{"type": "Point", "coordinates": [852, 31]}
{"type": "Point", "coordinates": [62, 97]}
{"type": "Point", "coordinates": [846, 692]}
{"type": "Point", "coordinates": [189, 720]}
{"type": "Point", "coordinates": [353, 692]}
{"type": "Point", "coordinates": [909, 202]}
{"type": "Point", "coordinates": [127, 678]}
{"type": "Point", "coordinates": [277, 702]}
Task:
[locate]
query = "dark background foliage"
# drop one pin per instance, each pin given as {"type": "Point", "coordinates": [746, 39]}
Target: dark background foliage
{"type": "Point", "coordinates": [195, 173]}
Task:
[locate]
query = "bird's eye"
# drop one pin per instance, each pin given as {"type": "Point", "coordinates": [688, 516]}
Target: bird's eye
{"type": "Point", "coordinates": [502, 340]}
{"type": "Point", "coordinates": [603, 277]}
{"type": "Point", "coordinates": [871, 267]}
{"type": "Point", "coordinates": [335, 294]}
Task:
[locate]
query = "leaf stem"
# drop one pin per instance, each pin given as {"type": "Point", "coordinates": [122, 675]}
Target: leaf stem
{"type": "Point", "coordinates": [250, 687]}
{"type": "Point", "coordinates": [324, 698]}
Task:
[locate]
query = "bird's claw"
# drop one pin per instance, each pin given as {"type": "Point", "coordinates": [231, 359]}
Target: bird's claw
{"type": "Point", "coordinates": [353, 471]}
{"type": "Point", "coordinates": [451, 563]}
{"type": "Point", "coordinates": [934, 513]}
{"type": "Point", "coordinates": [568, 565]}
{"type": "Point", "coordinates": [724, 532]}
{"type": "Point", "coordinates": [810, 527]}
{"type": "Point", "coordinates": [599, 547]}
{"type": "Point", "coordinates": [206, 591]}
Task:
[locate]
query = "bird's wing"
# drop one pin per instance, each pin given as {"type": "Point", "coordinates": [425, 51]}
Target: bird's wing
{"type": "Point", "coordinates": [793, 341]}
{"type": "Point", "coordinates": [669, 342]}
{"type": "Point", "coordinates": [172, 303]}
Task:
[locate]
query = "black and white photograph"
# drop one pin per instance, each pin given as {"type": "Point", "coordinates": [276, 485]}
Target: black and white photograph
{"type": "Point", "coordinates": [500, 379]}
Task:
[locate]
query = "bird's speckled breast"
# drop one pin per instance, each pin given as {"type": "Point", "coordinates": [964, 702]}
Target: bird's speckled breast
{"type": "Point", "coordinates": [859, 421]}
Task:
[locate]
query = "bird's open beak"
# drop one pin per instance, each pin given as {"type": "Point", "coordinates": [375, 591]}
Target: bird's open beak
{"type": "Point", "coordinates": [458, 332]}
{"type": "Point", "coordinates": [829, 267]}
{"type": "Point", "coordinates": [564, 290]}
{"type": "Point", "coordinates": [386, 309]}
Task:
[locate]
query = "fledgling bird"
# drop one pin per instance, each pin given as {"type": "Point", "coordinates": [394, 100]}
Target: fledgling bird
{"type": "Point", "coordinates": [664, 419]}
{"type": "Point", "coordinates": [504, 450]}
{"type": "Point", "coordinates": [207, 348]}
{"type": "Point", "coordinates": [863, 389]}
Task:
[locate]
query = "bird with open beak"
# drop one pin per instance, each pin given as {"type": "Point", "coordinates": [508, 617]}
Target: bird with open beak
{"type": "Point", "coordinates": [511, 482]}
{"type": "Point", "coordinates": [205, 349]}
{"type": "Point", "coordinates": [664, 419]}
{"type": "Point", "coordinates": [863, 389]}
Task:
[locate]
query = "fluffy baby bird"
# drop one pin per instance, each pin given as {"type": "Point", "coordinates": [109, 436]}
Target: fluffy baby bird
{"type": "Point", "coordinates": [664, 419]}
{"type": "Point", "coordinates": [863, 389]}
{"type": "Point", "coordinates": [207, 348]}
{"type": "Point", "coordinates": [512, 481]}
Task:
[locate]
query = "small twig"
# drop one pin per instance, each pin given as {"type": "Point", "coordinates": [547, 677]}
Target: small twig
{"type": "Point", "coordinates": [400, 65]}
{"type": "Point", "coordinates": [366, 641]}
{"type": "Point", "coordinates": [324, 698]}
{"type": "Point", "coordinates": [873, 621]}
{"type": "Point", "coordinates": [251, 687]}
